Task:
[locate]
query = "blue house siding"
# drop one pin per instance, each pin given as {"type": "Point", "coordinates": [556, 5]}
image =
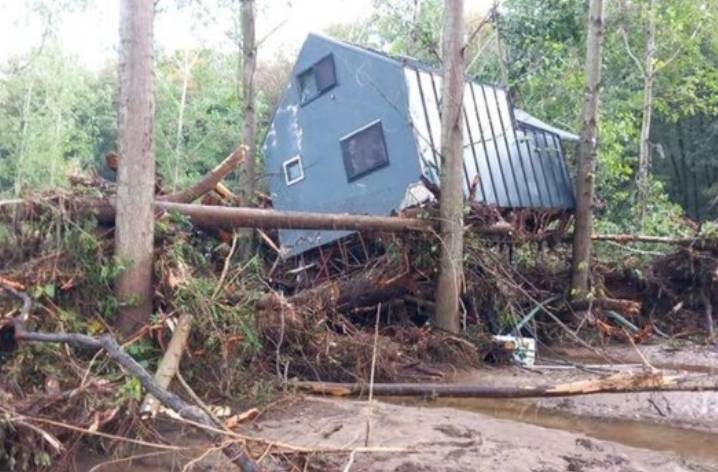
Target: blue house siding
{"type": "Point", "coordinates": [369, 87]}
{"type": "Point", "coordinates": [518, 158]}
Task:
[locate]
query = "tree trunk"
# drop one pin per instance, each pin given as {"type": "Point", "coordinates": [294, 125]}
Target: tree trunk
{"type": "Point", "coordinates": [581, 257]}
{"type": "Point", "coordinates": [247, 177]}
{"type": "Point", "coordinates": [451, 204]}
{"type": "Point", "coordinates": [134, 227]}
{"type": "Point", "coordinates": [187, 65]}
{"type": "Point", "coordinates": [23, 139]}
{"type": "Point", "coordinates": [623, 382]}
{"type": "Point", "coordinates": [644, 157]}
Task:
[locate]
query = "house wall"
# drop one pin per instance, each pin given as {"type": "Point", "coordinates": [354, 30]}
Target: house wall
{"type": "Point", "coordinates": [369, 87]}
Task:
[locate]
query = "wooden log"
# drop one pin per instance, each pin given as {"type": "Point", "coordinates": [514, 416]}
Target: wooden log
{"type": "Point", "coordinates": [169, 363]}
{"type": "Point", "coordinates": [628, 307]}
{"type": "Point", "coordinates": [362, 290]}
{"type": "Point", "coordinates": [209, 181]}
{"type": "Point", "coordinates": [239, 217]}
{"type": "Point", "coordinates": [616, 383]}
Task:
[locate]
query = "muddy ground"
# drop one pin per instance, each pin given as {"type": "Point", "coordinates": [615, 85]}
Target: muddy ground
{"type": "Point", "coordinates": [617, 432]}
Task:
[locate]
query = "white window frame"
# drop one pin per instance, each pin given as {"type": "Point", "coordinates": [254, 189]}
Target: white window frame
{"type": "Point", "coordinates": [287, 163]}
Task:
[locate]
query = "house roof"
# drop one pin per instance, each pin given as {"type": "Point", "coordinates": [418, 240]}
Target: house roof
{"type": "Point", "coordinates": [406, 61]}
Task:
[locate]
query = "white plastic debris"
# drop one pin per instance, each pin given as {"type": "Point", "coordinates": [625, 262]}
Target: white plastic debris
{"type": "Point", "coordinates": [523, 349]}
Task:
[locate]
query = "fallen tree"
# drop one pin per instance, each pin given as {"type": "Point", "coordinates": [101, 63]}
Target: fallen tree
{"type": "Point", "coordinates": [618, 383]}
{"type": "Point", "coordinates": [210, 181]}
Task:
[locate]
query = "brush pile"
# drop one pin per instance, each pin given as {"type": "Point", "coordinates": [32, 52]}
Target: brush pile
{"type": "Point", "coordinates": [327, 315]}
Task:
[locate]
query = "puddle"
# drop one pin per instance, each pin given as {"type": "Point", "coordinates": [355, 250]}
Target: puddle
{"type": "Point", "coordinates": [691, 444]}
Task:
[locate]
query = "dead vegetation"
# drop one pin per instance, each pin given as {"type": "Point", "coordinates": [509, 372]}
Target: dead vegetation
{"type": "Point", "coordinates": [323, 316]}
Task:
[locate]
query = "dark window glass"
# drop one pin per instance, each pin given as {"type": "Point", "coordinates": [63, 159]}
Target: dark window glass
{"type": "Point", "coordinates": [324, 74]}
{"type": "Point", "coordinates": [317, 79]}
{"type": "Point", "coordinates": [364, 151]}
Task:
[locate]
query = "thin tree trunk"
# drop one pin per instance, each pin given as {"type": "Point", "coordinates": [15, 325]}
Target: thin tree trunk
{"type": "Point", "coordinates": [644, 157]}
{"type": "Point", "coordinates": [23, 139]}
{"type": "Point", "coordinates": [582, 246]}
{"type": "Point", "coordinates": [187, 65]}
{"type": "Point", "coordinates": [249, 129]}
{"type": "Point", "coordinates": [134, 230]}
{"type": "Point", "coordinates": [247, 180]}
{"type": "Point", "coordinates": [451, 205]}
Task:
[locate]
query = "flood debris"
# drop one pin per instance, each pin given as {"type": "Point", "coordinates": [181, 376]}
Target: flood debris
{"type": "Point", "coordinates": [309, 318]}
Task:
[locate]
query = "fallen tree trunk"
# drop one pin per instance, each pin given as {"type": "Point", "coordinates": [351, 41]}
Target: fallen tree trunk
{"type": "Point", "coordinates": [115, 352]}
{"type": "Point", "coordinates": [618, 383]}
{"type": "Point", "coordinates": [238, 217]}
{"type": "Point", "coordinates": [628, 307]}
{"type": "Point", "coordinates": [169, 363]}
{"type": "Point", "coordinates": [209, 181]}
{"type": "Point", "coordinates": [362, 290]}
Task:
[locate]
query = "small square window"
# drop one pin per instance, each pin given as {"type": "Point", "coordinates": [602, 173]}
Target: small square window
{"type": "Point", "coordinates": [317, 79]}
{"type": "Point", "coordinates": [364, 151]}
{"type": "Point", "coordinates": [293, 170]}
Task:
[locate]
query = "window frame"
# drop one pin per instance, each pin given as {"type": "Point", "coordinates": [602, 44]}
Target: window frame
{"type": "Point", "coordinates": [311, 69]}
{"type": "Point", "coordinates": [289, 162]}
{"type": "Point", "coordinates": [382, 165]}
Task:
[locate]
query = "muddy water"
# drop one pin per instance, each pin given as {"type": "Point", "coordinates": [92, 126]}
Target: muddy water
{"type": "Point", "coordinates": [696, 445]}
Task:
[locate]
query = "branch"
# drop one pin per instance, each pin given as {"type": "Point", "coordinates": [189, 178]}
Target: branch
{"type": "Point", "coordinates": [679, 50]}
{"type": "Point", "coordinates": [115, 352]}
{"type": "Point", "coordinates": [630, 53]}
{"type": "Point", "coordinates": [489, 17]}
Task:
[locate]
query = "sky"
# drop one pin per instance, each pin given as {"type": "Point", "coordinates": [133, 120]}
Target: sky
{"type": "Point", "coordinates": [92, 33]}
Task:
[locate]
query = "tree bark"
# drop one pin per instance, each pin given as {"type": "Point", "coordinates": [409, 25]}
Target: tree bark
{"type": "Point", "coordinates": [451, 205]}
{"type": "Point", "coordinates": [134, 228]}
{"type": "Point", "coordinates": [644, 157]}
{"type": "Point", "coordinates": [581, 256]}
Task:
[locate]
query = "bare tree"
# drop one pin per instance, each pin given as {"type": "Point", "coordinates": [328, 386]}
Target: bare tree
{"type": "Point", "coordinates": [247, 178]}
{"type": "Point", "coordinates": [446, 315]}
{"type": "Point", "coordinates": [582, 245]}
{"type": "Point", "coordinates": [249, 64]}
{"type": "Point", "coordinates": [134, 230]}
{"type": "Point", "coordinates": [644, 156]}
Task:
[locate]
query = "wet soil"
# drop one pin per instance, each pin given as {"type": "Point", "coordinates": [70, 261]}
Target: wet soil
{"type": "Point", "coordinates": [671, 431]}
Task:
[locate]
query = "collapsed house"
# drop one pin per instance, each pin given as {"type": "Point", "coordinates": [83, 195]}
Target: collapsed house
{"type": "Point", "coordinates": [357, 131]}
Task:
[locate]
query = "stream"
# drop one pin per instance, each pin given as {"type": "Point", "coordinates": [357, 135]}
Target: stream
{"type": "Point", "coordinates": [697, 445]}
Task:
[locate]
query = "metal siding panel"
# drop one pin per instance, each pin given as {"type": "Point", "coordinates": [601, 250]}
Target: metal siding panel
{"type": "Point", "coordinates": [474, 155]}
{"type": "Point", "coordinates": [543, 161]}
{"type": "Point", "coordinates": [553, 171]}
{"type": "Point", "coordinates": [425, 127]}
{"type": "Point", "coordinates": [520, 178]}
{"type": "Point", "coordinates": [568, 188]}
{"type": "Point", "coordinates": [508, 190]}
{"type": "Point", "coordinates": [437, 97]}
{"type": "Point", "coordinates": [486, 160]}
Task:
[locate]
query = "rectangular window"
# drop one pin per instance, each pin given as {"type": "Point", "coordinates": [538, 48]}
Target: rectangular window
{"type": "Point", "coordinates": [293, 170]}
{"type": "Point", "coordinates": [364, 151]}
{"type": "Point", "coordinates": [317, 79]}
